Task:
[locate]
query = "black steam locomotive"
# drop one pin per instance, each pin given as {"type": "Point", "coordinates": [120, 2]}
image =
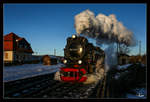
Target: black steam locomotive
{"type": "Point", "coordinates": [80, 58]}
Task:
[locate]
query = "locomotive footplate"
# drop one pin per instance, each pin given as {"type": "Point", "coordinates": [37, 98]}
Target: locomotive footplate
{"type": "Point", "coordinates": [73, 74]}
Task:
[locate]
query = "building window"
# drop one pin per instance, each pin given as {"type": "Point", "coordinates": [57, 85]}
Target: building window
{"type": "Point", "coordinates": [6, 55]}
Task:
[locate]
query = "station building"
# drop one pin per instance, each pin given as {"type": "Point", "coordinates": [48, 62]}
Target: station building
{"type": "Point", "coordinates": [123, 59]}
{"type": "Point", "coordinates": [16, 49]}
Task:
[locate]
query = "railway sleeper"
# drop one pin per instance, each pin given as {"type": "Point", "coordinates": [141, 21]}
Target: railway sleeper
{"type": "Point", "coordinates": [13, 84]}
{"type": "Point", "coordinates": [11, 92]}
{"type": "Point", "coordinates": [43, 86]}
{"type": "Point", "coordinates": [47, 90]}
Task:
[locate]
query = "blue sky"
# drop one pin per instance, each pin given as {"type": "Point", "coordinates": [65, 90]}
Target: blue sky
{"type": "Point", "coordinates": [46, 26]}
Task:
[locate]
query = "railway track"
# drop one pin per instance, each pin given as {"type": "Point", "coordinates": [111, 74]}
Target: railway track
{"type": "Point", "coordinates": [101, 89]}
{"type": "Point", "coordinates": [45, 87]}
{"type": "Point", "coordinates": [16, 88]}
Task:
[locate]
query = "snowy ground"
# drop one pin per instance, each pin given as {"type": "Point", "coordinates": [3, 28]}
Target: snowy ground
{"type": "Point", "coordinates": [124, 66]}
{"type": "Point", "coordinates": [28, 70]}
{"type": "Point", "coordinates": [121, 67]}
{"type": "Point", "coordinates": [140, 94]}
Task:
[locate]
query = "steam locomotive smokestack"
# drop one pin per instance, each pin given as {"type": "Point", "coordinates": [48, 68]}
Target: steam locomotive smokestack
{"type": "Point", "coordinates": [105, 29]}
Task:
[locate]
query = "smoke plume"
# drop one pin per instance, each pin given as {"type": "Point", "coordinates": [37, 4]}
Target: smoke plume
{"type": "Point", "coordinates": [105, 29]}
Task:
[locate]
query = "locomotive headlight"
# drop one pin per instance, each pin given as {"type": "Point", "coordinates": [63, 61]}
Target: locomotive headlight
{"type": "Point", "coordinates": [65, 61]}
{"type": "Point", "coordinates": [73, 36]}
{"type": "Point", "coordinates": [80, 50]}
{"type": "Point", "coordinates": [79, 61]}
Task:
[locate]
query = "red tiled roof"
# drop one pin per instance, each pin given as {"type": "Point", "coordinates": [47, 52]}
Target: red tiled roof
{"type": "Point", "coordinates": [10, 36]}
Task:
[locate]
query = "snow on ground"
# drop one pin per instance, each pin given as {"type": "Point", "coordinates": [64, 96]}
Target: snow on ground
{"type": "Point", "coordinates": [27, 70]}
{"type": "Point", "coordinates": [140, 94]}
{"type": "Point", "coordinates": [127, 65]}
{"type": "Point", "coordinates": [121, 67]}
{"type": "Point", "coordinates": [124, 66]}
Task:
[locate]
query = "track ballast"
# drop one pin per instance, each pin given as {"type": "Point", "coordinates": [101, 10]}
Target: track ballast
{"type": "Point", "coordinates": [44, 86]}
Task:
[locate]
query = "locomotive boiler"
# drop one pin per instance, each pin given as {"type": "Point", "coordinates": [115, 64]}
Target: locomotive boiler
{"type": "Point", "coordinates": [80, 58]}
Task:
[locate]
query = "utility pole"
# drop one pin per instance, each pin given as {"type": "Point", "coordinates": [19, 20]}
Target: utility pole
{"type": "Point", "coordinates": [37, 52]}
{"type": "Point", "coordinates": [118, 48]}
{"type": "Point", "coordinates": [117, 54]}
{"type": "Point", "coordinates": [140, 48]}
{"type": "Point", "coordinates": [54, 52]}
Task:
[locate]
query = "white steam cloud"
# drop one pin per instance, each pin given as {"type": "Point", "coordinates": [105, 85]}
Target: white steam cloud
{"type": "Point", "coordinates": [98, 74]}
{"type": "Point", "coordinates": [110, 56]}
{"type": "Point", "coordinates": [105, 29]}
